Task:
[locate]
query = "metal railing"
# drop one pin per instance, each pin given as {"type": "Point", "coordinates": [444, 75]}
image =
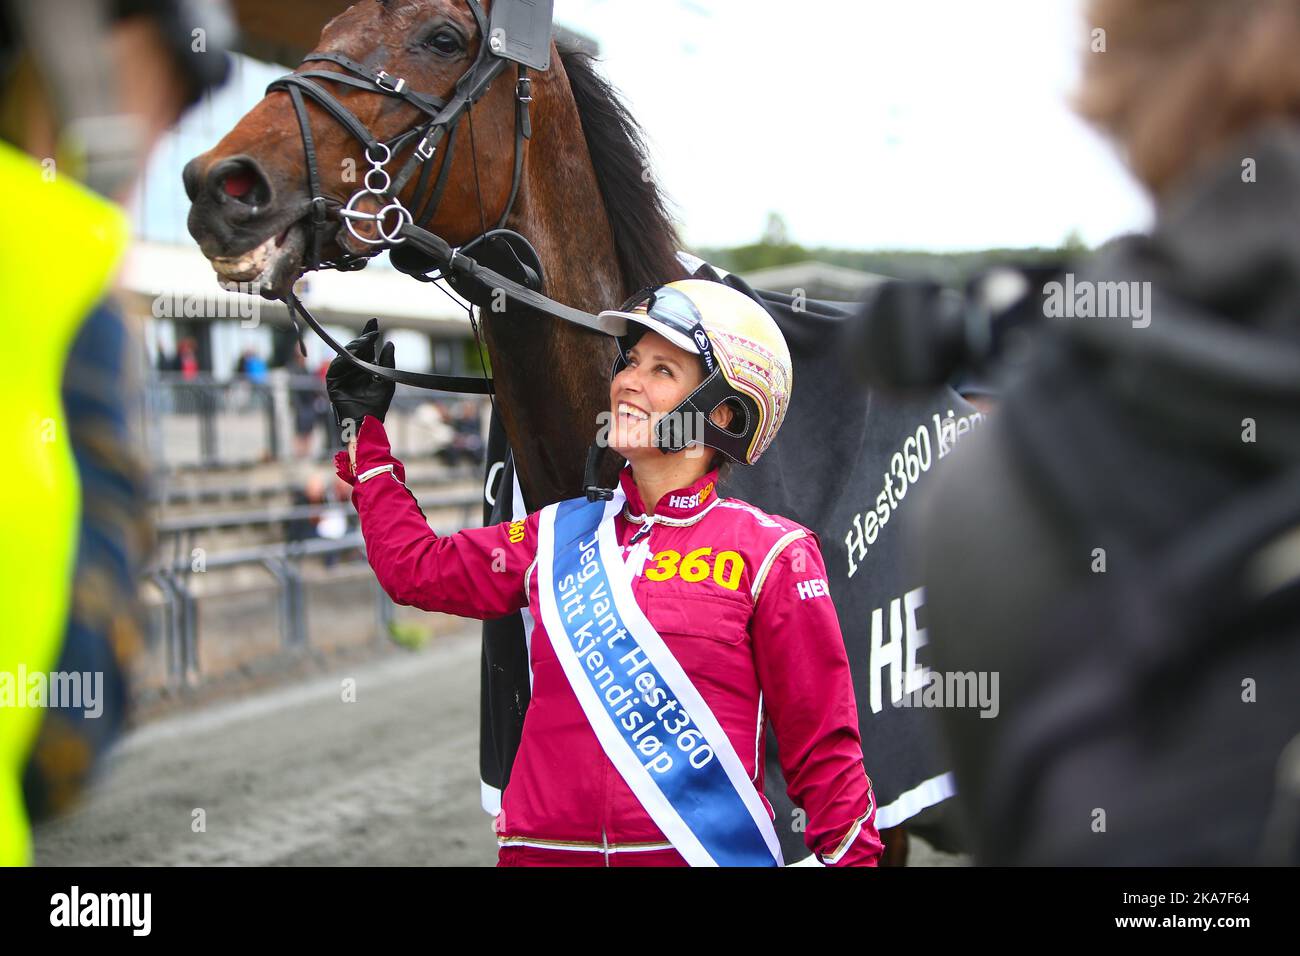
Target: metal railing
{"type": "Point", "coordinates": [283, 561]}
{"type": "Point", "coordinates": [200, 422]}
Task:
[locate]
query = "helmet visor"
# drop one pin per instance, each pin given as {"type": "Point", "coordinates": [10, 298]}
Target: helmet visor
{"type": "Point", "coordinates": [668, 312]}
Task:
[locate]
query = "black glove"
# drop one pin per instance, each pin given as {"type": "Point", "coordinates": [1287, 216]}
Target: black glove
{"type": "Point", "coordinates": [355, 393]}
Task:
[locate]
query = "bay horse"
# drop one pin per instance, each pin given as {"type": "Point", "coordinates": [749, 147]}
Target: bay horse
{"type": "Point", "coordinates": [586, 201]}
{"type": "Point", "coordinates": [600, 235]}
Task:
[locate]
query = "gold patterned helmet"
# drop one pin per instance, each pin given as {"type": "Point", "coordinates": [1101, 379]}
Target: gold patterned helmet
{"type": "Point", "coordinates": [745, 358]}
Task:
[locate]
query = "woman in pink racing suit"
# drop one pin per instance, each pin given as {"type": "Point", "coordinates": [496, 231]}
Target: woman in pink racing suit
{"type": "Point", "coordinates": [730, 604]}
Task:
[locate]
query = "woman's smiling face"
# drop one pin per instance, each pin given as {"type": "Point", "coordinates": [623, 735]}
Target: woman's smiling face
{"type": "Point", "coordinates": [658, 376]}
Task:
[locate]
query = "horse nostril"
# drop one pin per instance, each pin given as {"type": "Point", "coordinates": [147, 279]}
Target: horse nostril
{"type": "Point", "coordinates": [240, 180]}
{"type": "Point", "coordinates": [191, 176]}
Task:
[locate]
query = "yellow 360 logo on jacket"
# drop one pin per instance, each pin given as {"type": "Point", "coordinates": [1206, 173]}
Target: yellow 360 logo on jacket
{"type": "Point", "coordinates": [726, 568]}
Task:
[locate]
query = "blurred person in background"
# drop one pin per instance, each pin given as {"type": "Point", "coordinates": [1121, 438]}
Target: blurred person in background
{"type": "Point", "coordinates": [466, 443]}
{"type": "Point", "coordinates": [250, 375]}
{"type": "Point", "coordinates": [1114, 542]}
{"type": "Point", "coordinates": [86, 89]}
{"type": "Point", "coordinates": [188, 359]}
{"type": "Point", "coordinates": [309, 403]}
{"type": "Point", "coordinates": [329, 523]}
{"type": "Point", "coordinates": [255, 368]}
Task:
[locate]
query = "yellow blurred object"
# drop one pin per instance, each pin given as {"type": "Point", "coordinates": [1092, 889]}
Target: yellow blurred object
{"type": "Point", "coordinates": [408, 634]}
{"type": "Point", "coordinates": [58, 253]}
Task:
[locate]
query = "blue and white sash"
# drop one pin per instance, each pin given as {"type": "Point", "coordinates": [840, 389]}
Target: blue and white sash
{"type": "Point", "coordinates": [648, 716]}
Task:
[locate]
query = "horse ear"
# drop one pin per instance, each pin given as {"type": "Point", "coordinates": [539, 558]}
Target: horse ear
{"type": "Point", "coordinates": [520, 30]}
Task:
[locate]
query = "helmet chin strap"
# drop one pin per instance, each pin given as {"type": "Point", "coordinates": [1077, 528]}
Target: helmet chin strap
{"type": "Point", "coordinates": [700, 404]}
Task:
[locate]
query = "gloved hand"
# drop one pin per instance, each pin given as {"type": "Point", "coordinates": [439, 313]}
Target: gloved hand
{"type": "Point", "coordinates": [355, 393]}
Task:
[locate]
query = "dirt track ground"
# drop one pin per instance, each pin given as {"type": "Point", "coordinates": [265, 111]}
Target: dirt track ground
{"type": "Point", "coordinates": [296, 776]}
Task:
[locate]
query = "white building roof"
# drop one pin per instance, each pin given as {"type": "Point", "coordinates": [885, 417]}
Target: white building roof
{"type": "Point", "coordinates": [817, 279]}
{"type": "Point", "coordinates": [164, 278]}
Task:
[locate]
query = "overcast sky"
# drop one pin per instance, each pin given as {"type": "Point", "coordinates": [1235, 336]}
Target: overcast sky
{"type": "Point", "coordinates": [912, 124]}
{"type": "Point", "coordinates": [926, 124]}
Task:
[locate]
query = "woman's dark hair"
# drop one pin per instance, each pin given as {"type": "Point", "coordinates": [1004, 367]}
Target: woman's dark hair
{"type": "Point", "coordinates": [722, 463]}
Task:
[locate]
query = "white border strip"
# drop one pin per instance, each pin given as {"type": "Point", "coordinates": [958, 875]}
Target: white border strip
{"type": "Point", "coordinates": [372, 472]}
{"type": "Point", "coordinates": [910, 803]}
{"type": "Point", "coordinates": [520, 513]}
{"type": "Point", "coordinates": [489, 797]}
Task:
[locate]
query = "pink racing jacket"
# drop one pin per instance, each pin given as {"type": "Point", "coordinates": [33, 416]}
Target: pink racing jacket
{"type": "Point", "coordinates": [741, 599]}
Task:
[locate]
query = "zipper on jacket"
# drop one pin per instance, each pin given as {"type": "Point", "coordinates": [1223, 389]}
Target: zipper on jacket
{"type": "Point", "coordinates": [641, 538]}
{"type": "Point", "coordinates": [644, 529]}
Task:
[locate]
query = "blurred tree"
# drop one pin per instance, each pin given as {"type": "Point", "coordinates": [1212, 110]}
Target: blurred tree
{"type": "Point", "coordinates": [1074, 245]}
{"type": "Point", "coordinates": [948, 268]}
{"type": "Point", "coordinates": [773, 249]}
{"type": "Point", "coordinates": [775, 233]}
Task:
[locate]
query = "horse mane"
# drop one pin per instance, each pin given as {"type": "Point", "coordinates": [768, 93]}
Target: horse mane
{"type": "Point", "coordinates": [645, 240]}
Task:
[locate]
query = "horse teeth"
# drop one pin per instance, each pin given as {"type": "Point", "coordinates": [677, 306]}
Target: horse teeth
{"type": "Point", "coordinates": [251, 265]}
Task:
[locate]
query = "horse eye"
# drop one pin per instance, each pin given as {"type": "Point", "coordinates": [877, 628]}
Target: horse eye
{"type": "Point", "coordinates": [444, 42]}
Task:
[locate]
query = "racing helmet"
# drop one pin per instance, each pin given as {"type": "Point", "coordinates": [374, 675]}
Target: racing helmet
{"type": "Point", "coordinates": [745, 358]}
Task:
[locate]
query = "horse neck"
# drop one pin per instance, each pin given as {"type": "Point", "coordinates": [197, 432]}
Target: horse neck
{"type": "Point", "coordinates": [552, 377]}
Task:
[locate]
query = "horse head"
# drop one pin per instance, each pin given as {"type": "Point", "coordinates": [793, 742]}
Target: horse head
{"type": "Point", "coordinates": [252, 202]}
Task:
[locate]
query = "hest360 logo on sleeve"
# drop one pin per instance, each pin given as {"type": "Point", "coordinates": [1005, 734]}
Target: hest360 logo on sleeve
{"type": "Point", "coordinates": [812, 588]}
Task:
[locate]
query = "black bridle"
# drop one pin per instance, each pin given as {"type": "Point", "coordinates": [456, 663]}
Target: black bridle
{"type": "Point", "coordinates": [519, 32]}
{"type": "Point", "coordinates": [440, 120]}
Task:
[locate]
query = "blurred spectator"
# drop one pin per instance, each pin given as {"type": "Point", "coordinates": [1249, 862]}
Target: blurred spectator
{"type": "Point", "coordinates": [466, 443]}
{"type": "Point", "coordinates": [1110, 544]}
{"type": "Point", "coordinates": [165, 362]}
{"type": "Point", "coordinates": [329, 524]}
{"type": "Point", "coordinates": [309, 404]}
{"type": "Point", "coordinates": [188, 359]}
{"type": "Point", "coordinates": [255, 368]}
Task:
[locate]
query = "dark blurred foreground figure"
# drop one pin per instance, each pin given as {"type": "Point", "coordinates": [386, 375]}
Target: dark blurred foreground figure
{"type": "Point", "coordinates": [1120, 543]}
